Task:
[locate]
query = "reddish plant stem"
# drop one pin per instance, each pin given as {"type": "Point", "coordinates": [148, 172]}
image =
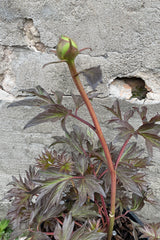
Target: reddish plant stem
{"type": "Point", "coordinates": [78, 224]}
{"type": "Point", "coordinates": [108, 160]}
{"type": "Point", "coordinates": [93, 169]}
{"type": "Point", "coordinates": [59, 221]}
{"type": "Point", "coordinates": [49, 233]}
{"type": "Point", "coordinates": [77, 177]}
{"type": "Point", "coordinates": [105, 210]}
{"type": "Point", "coordinates": [76, 111]}
{"type": "Point", "coordinates": [83, 121]}
{"type": "Point", "coordinates": [84, 152]}
{"type": "Point", "coordinates": [123, 215]}
{"type": "Point", "coordinates": [100, 212]}
{"type": "Point", "coordinates": [103, 173]}
{"type": "Point", "coordinates": [121, 152]}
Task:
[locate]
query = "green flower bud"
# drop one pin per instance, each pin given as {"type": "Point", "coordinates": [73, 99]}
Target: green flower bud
{"type": "Point", "coordinates": [66, 49]}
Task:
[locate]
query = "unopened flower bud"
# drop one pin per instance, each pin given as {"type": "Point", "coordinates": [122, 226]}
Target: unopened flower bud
{"type": "Point", "coordinates": [66, 49]}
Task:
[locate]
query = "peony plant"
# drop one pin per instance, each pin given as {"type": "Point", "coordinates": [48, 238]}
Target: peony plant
{"type": "Point", "coordinates": [88, 187]}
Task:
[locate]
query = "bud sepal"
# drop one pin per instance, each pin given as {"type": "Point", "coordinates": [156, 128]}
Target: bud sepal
{"type": "Point", "coordinates": [67, 49]}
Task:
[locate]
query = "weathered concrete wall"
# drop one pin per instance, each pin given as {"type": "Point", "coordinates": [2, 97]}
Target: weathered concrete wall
{"type": "Point", "coordinates": [125, 38]}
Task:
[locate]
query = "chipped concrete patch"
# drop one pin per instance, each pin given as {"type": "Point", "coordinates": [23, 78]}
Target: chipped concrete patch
{"type": "Point", "coordinates": [5, 58]}
{"type": "Point", "coordinates": [32, 36]}
{"type": "Point", "coordinates": [121, 89]}
{"type": "Point", "coordinates": [7, 78]}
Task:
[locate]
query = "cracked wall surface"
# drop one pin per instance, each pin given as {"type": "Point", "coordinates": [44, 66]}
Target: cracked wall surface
{"type": "Point", "coordinates": [125, 38]}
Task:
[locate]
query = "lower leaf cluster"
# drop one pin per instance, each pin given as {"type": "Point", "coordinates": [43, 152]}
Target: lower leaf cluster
{"type": "Point", "coordinates": [65, 189]}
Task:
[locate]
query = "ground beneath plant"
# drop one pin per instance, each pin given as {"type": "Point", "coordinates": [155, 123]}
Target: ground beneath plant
{"type": "Point", "coordinates": [125, 230]}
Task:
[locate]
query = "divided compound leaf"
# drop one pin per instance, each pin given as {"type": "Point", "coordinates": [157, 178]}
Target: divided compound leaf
{"type": "Point", "coordinates": [83, 212]}
{"type": "Point", "coordinates": [149, 131]}
{"type": "Point", "coordinates": [38, 97]}
{"type": "Point", "coordinates": [154, 119]}
{"type": "Point", "coordinates": [75, 139]}
{"type": "Point", "coordinates": [81, 164]}
{"type": "Point", "coordinates": [137, 202]}
{"type": "Point", "coordinates": [39, 92]}
{"type": "Point", "coordinates": [151, 128]}
{"type": "Point", "coordinates": [125, 131]}
{"type": "Point", "coordinates": [61, 161]}
{"type": "Point", "coordinates": [43, 212]}
{"type": "Point", "coordinates": [51, 189]}
{"type": "Point", "coordinates": [131, 153]}
{"type": "Point", "coordinates": [22, 187]}
{"type": "Point", "coordinates": [29, 102]}
{"type": "Point", "coordinates": [132, 156]}
{"type": "Point", "coordinates": [77, 235]}
{"type": "Point", "coordinates": [126, 177]}
{"type": "Point", "coordinates": [84, 234]}
{"type": "Point", "coordinates": [38, 235]}
{"type": "Point", "coordinates": [151, 231]}
{"type": "Point", "coordinates": [64, 232]}
{"type": "Point", "coordinates": [87, 186]}
{"type": "Point", "coordinates": [142, 113]}
{"type": "Point", "coordinates": [52, 113]}
{"type": "Point", "coordinates": [20, 194]}
{"type": "Point", "coordinates": [59, 96]}
{"type": "Point", "coordinates": [128, 114]}
{"type": "Point", "coordinates": [115, 110]}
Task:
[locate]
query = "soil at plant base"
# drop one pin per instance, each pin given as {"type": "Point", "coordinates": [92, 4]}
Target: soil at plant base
{"type": "Point", "coordinates": [125, 230]}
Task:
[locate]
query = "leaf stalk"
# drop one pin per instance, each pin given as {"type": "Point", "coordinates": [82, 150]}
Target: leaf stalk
{"type": "Point", "coordinates": [121, 152]}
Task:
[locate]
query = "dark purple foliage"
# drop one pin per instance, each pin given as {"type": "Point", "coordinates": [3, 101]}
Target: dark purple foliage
{"type": "Point", "coordinates": [66, 187]}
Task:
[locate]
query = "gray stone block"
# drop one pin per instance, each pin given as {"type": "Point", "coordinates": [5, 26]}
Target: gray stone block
{"type": "Point", "coordinates": [124, 36]}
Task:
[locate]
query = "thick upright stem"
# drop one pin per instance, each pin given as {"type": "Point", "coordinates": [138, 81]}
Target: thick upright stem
{"type": "Point", "coordinates": [108, 160]}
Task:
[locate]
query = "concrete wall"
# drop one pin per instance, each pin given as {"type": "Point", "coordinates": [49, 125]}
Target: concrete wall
{"type": "Point", "coordinates": [125, 38]}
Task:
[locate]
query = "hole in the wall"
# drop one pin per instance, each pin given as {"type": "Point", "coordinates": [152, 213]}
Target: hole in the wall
{"type": "Point", "coordinates": [129, 87]}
